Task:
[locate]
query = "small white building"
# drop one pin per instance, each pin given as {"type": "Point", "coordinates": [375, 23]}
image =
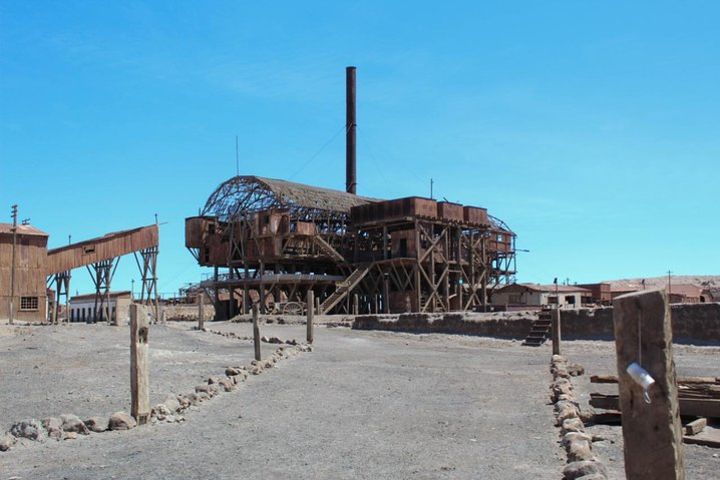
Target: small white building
{"type": "Point", "coordinates": [82, 308]}
{"type": "Point", "coordinates": [534, 295]}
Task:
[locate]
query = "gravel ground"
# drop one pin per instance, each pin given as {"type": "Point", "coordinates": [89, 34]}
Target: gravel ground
{"type": "Point", "coordinates": [85, 369]}
{"type": "Point", "coordinates": [362, 405]}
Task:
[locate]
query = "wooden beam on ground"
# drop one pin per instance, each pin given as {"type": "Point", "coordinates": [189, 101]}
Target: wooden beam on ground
{"type": "Point", "coordinates": [689, 407]}
{"type": "Point", "coordinates": [696, 426]}
{"type": "Point", "coordinates": [706, 442]}
{"type": "Point", "coordinates": [139, 367]}
{"type": "Point", "coordinates": [652, 432]}
{"type": "Point", "coordinates": [680, 380]}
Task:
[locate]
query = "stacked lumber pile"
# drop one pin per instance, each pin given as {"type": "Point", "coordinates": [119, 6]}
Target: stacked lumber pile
{"type": "Point", "coordinates": [699, 398]}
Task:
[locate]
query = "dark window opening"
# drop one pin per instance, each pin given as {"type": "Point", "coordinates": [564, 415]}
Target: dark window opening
{"type": "Point", "coordinates": [28, 303]}
{"type": "Point", "coordinates": [403, 247]}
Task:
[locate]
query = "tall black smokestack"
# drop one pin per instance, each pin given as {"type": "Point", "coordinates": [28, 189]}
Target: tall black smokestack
{"type": "Point", "coordinates": [350, 125]}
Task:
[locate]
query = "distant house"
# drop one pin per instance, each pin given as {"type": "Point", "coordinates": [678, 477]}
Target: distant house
{"type": "Point", "coordinates": [600, 293]}
{"type": "Point", "coordinates": [710, 294]}
{"type": "Point", "coordinates": [82, 308]}
{"type": "Point", "coordinates": [534, 295]}
{"type": "Point", "coordinates": [684, 293]}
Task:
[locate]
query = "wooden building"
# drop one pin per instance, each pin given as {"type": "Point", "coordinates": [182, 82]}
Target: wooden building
{"type": "Point", "coordinates": [30, 299]}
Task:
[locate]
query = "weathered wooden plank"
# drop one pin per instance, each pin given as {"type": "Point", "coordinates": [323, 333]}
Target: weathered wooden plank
{"type": "Point", "coordinates": [707, 442]}
{"type": "Point", "coordinates": [689, 407]}
{"type": "Point", "coordinates": [696, 426]}
{"type": "Point", "coordinates": [680, 380]}
{"type": "Point", "coordinates": [652, 433]}
{"type": "Point", "coordinates": [139, 367]}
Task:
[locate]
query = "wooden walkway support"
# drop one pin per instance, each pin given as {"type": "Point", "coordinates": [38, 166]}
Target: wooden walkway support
{"type": "Point", "coordinates": [652, 432]}
{"type": "Point", "coordinates": [201, 311]}
{"type": "Point", "coordinates": [139, 368]}
{"type": "Point", "coordinates": [256, 331]}
{"type": "Point", "coordinates": [310, 315]}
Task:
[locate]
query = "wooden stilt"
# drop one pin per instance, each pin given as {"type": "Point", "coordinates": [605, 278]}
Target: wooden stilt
{"type": "Point", "coordinates": [256, 331]}
{"type": "Point", "coordinates": [310, 315]}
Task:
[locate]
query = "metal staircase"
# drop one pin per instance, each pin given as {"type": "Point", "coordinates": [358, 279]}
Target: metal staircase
{"type": "Point", "coordinates": [343, 288]}
{"type": "Point", "coordinates": [540, 329]}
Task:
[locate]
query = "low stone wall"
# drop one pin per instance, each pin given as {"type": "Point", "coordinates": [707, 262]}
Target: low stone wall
{"type": "Point", "coordinates": [692, 323]}
{"type": "Point", "coordinates": [187, 312]}
{"type": "Point", "coordinates": [501, 325]}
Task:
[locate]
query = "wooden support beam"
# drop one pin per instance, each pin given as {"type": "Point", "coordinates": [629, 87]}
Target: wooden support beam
{"type": "Point", "coordinates": [652, 432]}
{"type": "Point", "coordinates": [696, 426]}
{"type": "Point", "coordinates": [556, 335]}
{"type": "Point", "coordinates": [256, 331]}
{"type": "Point", "coordinates": [310, 315]}
{"type": "Point", "coordinates": [139, 367]}
{"type": "Point", "coordinates": [201, 311]}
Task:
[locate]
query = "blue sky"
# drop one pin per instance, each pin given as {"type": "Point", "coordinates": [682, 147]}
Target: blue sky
{"type": "Point", "coordinates": [591, 128]}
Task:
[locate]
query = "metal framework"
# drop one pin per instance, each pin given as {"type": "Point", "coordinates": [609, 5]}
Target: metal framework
{"type": "Point", "coordinates": [279, 239]}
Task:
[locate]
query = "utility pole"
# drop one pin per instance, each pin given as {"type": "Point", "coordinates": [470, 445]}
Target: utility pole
{"type": "Point", "coordinates": [12, 268]}
{"type": "Point", "coordinates": [431, 188]}
{"type": "Point", "coordinates": [669, 285]}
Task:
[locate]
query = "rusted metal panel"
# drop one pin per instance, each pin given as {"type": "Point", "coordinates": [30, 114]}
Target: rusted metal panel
{"type": "Point", "coordinates": [475, 215]}
{"type": "Point", "coordinates": [102, 248]}
{"type": "Point", "coordinates": [197, 228]}
{"type": "Point", "coordinates": [305, 228]}
{"type": "Point", "coordinates": [450, 211]}
{"type": "Point", "coordinates": [394, 209]}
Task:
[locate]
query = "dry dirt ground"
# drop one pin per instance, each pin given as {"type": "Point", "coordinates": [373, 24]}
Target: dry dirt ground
{"type": "Point", "coordinates": [362, 405]}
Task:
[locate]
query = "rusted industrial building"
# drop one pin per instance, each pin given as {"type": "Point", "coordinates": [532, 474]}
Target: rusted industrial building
{"type": "Point", "coordinates": [270, 241]}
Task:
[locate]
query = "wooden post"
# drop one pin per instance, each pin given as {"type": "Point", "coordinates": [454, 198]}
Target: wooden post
{"type": "Point", "coordinates": [652, 432]}
{"type": "Point", "coordinates": [310, 315]}
{"type": "Point", "coordinates": [201, 311]}
{"type": "Point", "coordinates": [139, 369]}
{"type": "Point", "coordinates": [256, 331]}
{"type": "Point", "coordinates": [556, 335]}
{"type": "Point", "coordinates": [386, 295]}
{"type": "Point", "coordinates": [356, 304]}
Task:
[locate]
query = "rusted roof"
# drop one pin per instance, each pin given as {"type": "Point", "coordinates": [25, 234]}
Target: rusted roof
{"type": "Point", "coordinates": [253, 193]}
{"type": "Point", "coordinates": [310, 196]}
{"type": "Point", "coordinates": [22, 230]}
